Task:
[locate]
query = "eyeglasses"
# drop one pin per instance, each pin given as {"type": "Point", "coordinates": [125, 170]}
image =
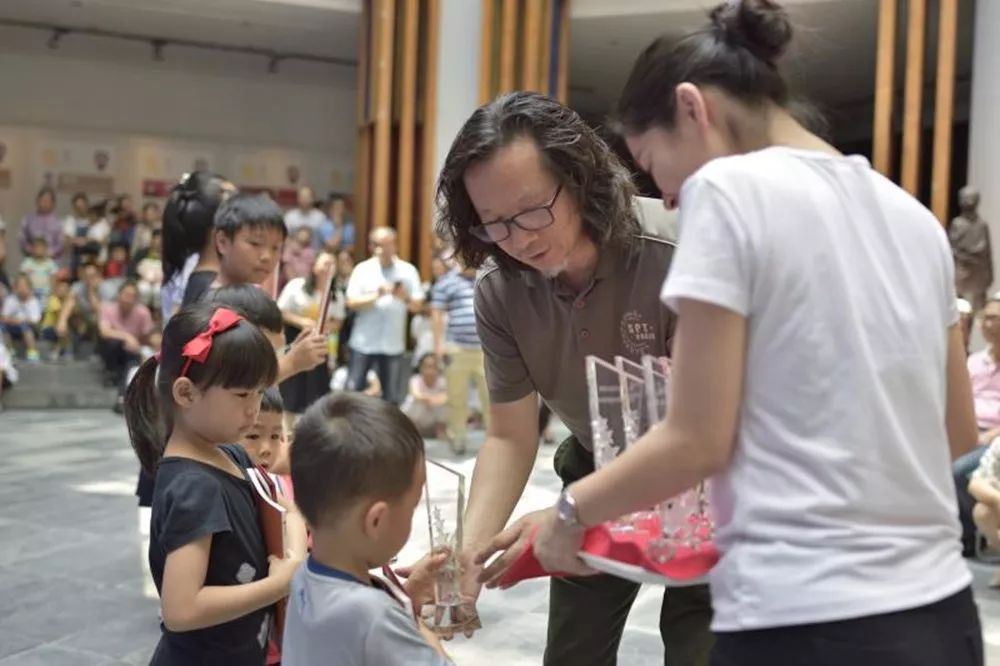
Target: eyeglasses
{"type": "Point", "coordinates": [532, 219]}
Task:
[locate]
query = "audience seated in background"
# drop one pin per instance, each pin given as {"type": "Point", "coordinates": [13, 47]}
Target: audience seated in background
{"type": "Point", "coordinates": [124, 225]}
{"type": "Point", "coordinates": [305, 215]}
{"type": "Point", "coordinates": [985, 488]}
{"type": "Point", "coordinates": [8, 371]}
{"type": "Point", "coordinates": [117, 264]}
{"type": "Point", "coordinates": [147, 270]}
{"type": "Point", "coordinates": [148, 223]}
{"type": "Point", "coordinates": [299, 255]}
{"type": "Point", "coordinates": [76, 229]}
{"type": "Point", "coordinates": [85, 304]}
{"type": "Point", "coordinates": [336, 232]}
{"type": "Point", "coordinates": [20, 316]}
{"type": "Point", "coordinates": [5, 286]}
{"type": "Point", "coordinates": [426, 402]}
{"type": "Point", "coordinates": [56, 314]}
{"type": "Point", "coordinates": [40, 268]}
{"type": "Point", "coordinates": [984, 371]}
{"type": "Point", "coordinates": [126, 334]}
{"type": "Point", "coordinates": [43, 223]}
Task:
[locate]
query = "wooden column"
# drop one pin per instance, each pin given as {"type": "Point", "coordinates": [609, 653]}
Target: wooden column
{"type": "Point", "coordinates": [428, 162]}
{"type": "Point", "coordinates": [486, 51]}
{"type": "Point", "coordinates": [533, 14]}
{"type": "Point", "coordinates": [545, 84]}
{"type": "Point", "coordinates": [508, 45]}
{"type": "Point", "coordinates": [384, 25]}
{"type": "Point", "coordinates": [884, 86]}
{"type": "Point", "coordinates": [362, 181]}
{"type": "Point", "coordinates": [944, 108]}
{"type": "Point", "coordinates": [563, 83]}
{"type": "Point", "coordinates": [913, 100]}
{"type": "Point", "coordinates": [407, 125]}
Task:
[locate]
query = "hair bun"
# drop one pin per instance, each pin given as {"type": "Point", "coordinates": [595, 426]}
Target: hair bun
{"type": "Point", "coordinates": [761, 26]}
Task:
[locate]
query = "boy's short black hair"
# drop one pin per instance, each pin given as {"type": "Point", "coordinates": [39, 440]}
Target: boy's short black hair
{"type": "Point", "coordinates": [272, 402]}
{"type": "Point", "coordinates": [257, 211]}
{"type": "Point", "coordinates": [350, 446]}
{"type": "Point", "coordinates": [40, 239]}
{"type": "Point", "coordinates": [114, 245]}
{"type": "Point", "coordinates": [250, 301]}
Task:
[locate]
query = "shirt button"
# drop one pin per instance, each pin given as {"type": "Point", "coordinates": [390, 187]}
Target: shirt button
{"type": "Point", "coordinates": [584, 334]}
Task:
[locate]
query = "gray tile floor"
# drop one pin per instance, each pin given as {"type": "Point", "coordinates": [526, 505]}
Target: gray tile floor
{"type": "Point", "coordinates": [70, 580]}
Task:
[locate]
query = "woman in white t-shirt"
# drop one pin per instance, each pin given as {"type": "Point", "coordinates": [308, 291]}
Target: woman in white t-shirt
{"type": "Point", "coordinates": [299, 303]}
{"type": "Point", "coordinates": [819, 373]}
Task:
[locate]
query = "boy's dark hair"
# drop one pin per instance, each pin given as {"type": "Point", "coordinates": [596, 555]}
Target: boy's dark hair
{"type": "Point", "coordinates": [128, 284]}
{"type": "Point", "coordinates": [250, 301]}
{"type": "Point", "coordinates": [115, 245]}
{"type": "Point", "coordinates": [80, 196]}
{"type": "Point", "coordinates": [350, 446]}
{"type": "Point", "coordinates": [40, 239]}
{"type": "Point", "coordinates": [256, 211]}
{"type": "Point", "coordinates": [272, 401]}
{"type": "Point", "coordinates": [241, 357]}
{"type": "Point", "coordinates": [424, 357]}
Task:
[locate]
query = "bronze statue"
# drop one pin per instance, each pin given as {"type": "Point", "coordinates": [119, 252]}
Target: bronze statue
{"type": "Point", "coordinates": [970, 245]}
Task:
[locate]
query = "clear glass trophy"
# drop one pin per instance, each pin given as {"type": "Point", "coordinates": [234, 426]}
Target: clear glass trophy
{"type": "Point", "coordinates": [444, 494]}
{"type": "Point", "coordinates": [684, 520]}
{"type": "Point", "coordinates": [612, 426]}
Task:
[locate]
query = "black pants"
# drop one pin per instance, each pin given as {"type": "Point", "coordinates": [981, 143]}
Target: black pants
{"type": "Point", "coordinates": [117, 360]}
{"type": "Point", "coordinates": [587, 615]}
{"type": "Point", "coordinates": [946, 633]}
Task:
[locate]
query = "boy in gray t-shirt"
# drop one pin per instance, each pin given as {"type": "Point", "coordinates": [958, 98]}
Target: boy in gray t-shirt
{"type": "Point", "coordinates": [357, 473]}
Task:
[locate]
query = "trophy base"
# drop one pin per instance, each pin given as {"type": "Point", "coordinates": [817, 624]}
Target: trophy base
{"type": "Point", "coordinates": [448, 619]}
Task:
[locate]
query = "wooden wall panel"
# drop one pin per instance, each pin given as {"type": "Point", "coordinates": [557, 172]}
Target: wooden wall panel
{"type": "Point", "coordinates": [384, 23]}
{"type": "Point", "coordinates": [428, 166]}
{"type": "Point", "coordinates": [885, 92]}
{"type": "Point", "coordinates": [944, 108]}
{"type": "Point", "coordinates": [916, 23]}
{"type": "Point", "coordinates": [508, 45]}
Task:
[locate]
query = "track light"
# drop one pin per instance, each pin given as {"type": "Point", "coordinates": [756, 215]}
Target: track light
{"type": "Point", "coordinates": [272, 66]}
{"type": "Point", "coordinates": [56, 37]}
{"type": "Point", "coordinates": [158, 45]}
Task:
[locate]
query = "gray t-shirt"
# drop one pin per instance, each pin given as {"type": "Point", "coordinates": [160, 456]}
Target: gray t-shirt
{"type": "Point", "coordinates": [335, 619]}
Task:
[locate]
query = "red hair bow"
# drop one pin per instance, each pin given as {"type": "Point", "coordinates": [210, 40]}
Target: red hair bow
{"type": "Point", "coordinates": [198, 347]}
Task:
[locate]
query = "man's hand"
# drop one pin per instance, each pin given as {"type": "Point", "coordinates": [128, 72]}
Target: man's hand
{"type": "Point", "coordinates": [308, 351]}
{"type": "Point", "coordinates": [399, 291]}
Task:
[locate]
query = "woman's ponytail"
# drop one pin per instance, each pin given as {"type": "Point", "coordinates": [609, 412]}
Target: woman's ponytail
{"type": "Point", "coordinates": [143, 417]}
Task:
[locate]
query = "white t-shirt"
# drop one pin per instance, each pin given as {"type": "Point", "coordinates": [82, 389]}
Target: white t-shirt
{"type": "Point", "coordinates": [381, 329]}
{"type": "Point", "coordinates": [294, 299]}
{"type": "Point", "coordinates": [838, 502]}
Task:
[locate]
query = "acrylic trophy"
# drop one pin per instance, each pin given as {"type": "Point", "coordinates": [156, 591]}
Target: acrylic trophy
{"type": "Point", "coordinates": [444, 494]}
{"type": "Point", "coordinates": [684, 520]}
{"type": "Point", "coordinates": [612, 426]}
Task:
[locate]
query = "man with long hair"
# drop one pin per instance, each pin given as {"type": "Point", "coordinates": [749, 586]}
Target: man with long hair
{"type": "Point", "coordinates": [534, 198]}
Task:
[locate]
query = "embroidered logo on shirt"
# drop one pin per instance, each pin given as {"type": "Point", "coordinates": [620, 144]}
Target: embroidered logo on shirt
{"type": "Point", "coordinates": [637, 334]}
{"type": "Point", "coordinates": [245, 573]}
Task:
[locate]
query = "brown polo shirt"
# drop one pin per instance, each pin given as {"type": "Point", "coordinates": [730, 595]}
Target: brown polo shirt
{"type": "Point", "coordinates": [536, 332]}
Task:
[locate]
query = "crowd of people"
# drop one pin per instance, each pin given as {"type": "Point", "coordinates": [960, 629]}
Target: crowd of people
{"type": "Point", "coordinates": [819, 376]}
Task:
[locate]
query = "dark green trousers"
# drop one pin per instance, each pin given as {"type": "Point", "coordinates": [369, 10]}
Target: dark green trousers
{"type": "Point", "coordinates": [587, 615]}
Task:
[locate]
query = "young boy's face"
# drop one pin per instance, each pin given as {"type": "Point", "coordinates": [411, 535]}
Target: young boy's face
{"type": "Point", "coordinates": [22, 288]}
{"type": "Point", "coordinates": [39, 249]}
{"type": "Point", "coordinates": [251, 255]}
{"type": "Point", "coordinates": [264, 440]}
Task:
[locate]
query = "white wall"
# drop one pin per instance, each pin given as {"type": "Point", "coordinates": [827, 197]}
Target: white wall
{"type": "Point", "coordinates": [111, 94]}
{"type": "Point", "coordinates": [984, 139]}
{"type": "Point", "coordinates": [458, 72]}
